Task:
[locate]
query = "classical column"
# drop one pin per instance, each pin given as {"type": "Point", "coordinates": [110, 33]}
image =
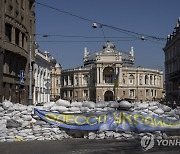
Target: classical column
{"type": "Point", "coordinates": [97, 78]}
{"type": "Point", "coordinates": [149, 79]}
{"type": "Point", "coordinates": [68, 78]}
{"type": "Point", "coordinates": [101, 74]}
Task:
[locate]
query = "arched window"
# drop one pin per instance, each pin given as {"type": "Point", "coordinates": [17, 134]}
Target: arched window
{"type": "Point", "coordinates": [108, 75]}
{"type": "Point", "coordinates": [146, 79]}
{"type": "Point", "coordinates": [140, 80]}
{"type": "Point", "coordinates": [151, 80]}
{"type": "Point", "coordinates": [131, 79]}
{"type": "Point", "coordinates": [85, 79]}
{"type": "Point", "coordinates": [71, 80]}
{"type": "Point", "coordinates": [66, 80]}
{"type": "Point", "coordinates": [76, 81]}
{"type": "Point", "coordinates": [124, 81]}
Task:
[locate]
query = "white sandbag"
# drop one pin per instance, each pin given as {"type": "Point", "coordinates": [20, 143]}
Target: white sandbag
{"type": "Point", "coordinates": [171, 113]}
{"type": "Point", "coordinates": [3, 134]}
{"type": "Point", "coordinates": [166, 108]}
{"type": "Point", "coordinates": [7, 104]}
{"type": "Point", "coordinates": [2, 127]}
{"type": "Point", "coordinates": [158, 111]}
{"type": "Point", "coordinates": [6, 117]}
{"type": "Point", "coordinates": [153, 103]}
{"type": "Point", "coordinates": [101, 135]}
{"type": "Point", "coordinates": [33, 120]}
{"type": "Point", "coordinates": [39, 107]}
{"type": "Point", "coordinates": [108, 109]}
{"type": "Point", "coordinates": [25, 112]}
{"type": "Point", "coordinates": [1, 109]}
{"type": "Point", "coordinates": [153, 108]}
{"type": "Point", "coordinates": [125, 105]}
{"type": "Point", "coordinates": [30, 137]}
{"type": "Point", "coordinates": [177, 112]}
{"type": "Point", "coordinates": [27, 117]}
{"type": "Point", "coordinates": [14, 107]}
{"type": "Point", "coordinates": [92, 135]}
{"type": "Point", "coordinates": [101, 104]}
{"type": "Point", "coordinates": [116, 135]}
{"type": "Point", "coordinates": [3, 121]}
{"type": "Point", "coordinates": [73, 109]}
{"type": "Point", "coordinates": [25, 123]}
{"type": "Point", "coordinates": [76, 104]}
{"type": "Point", "coordinates": [22, 108]}
{"type": "Point", "coordinates": [62, 102]}
{"type": "Point", "coordinates": [127, 135]}
{"type": "Point", "coordinates": [84, 109]}
{"type": "Point", "coordinates": [18, 119]}
{"type": "Point", "coordinates": [146, 110]}
{"type": "Point", "coordinates": [98, 109]}
{"type": "Point", "coordinates": [142, 105]}
{"type": "Point", "coordinates": [109, 134]}
{"type": "Point", "coordinates": [40, 123]}
{"type": "Point", "coordinates": [88, 104]}
{"type": "Point", "coordinates": [25, 131]}
{"type": "Point", "coordinates": [114, 104]}
{"type": "Point", "coordinates": [30, 108]}
{"type": "Point", "coordinates": [59, 108]}
{"type": "Point", "coordinates": [58, 137]}
{"type": "Point", "coordinates": [48, 105]}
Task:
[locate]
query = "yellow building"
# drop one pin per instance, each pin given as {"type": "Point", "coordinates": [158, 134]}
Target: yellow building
{"type": "Point", "coordinates": [110, 75]}
{"type": "Point", "coordinates": [55, 80]}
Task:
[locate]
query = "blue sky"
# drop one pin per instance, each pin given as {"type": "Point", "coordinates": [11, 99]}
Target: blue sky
{"type": "Point", "coordinates": [151, 17]}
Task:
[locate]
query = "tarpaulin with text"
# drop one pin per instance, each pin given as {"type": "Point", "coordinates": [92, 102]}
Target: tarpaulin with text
{"type": "Point", "coordinates": [113, 120]}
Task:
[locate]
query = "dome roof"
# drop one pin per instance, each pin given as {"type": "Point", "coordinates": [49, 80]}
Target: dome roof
{"type": "Point", "coordinates": [108, 45]}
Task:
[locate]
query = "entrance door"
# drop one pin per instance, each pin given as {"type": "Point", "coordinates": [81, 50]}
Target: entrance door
{"type": "Point", "coordinates": [108, 96]}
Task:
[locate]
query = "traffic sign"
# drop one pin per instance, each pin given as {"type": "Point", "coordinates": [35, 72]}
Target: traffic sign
{"type": "Point", "coordinates": [22, 77]}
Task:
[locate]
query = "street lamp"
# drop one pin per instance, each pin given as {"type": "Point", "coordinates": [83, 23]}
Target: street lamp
{"type": "Point", "coordinates": [95, 25]}
{"type": "Point", "coordinates": [30, 71]}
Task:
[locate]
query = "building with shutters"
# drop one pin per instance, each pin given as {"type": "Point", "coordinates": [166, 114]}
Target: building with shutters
{"type": "Point", "coordinates": [172, 65]}
{"type": "Point", "coordinates": [17, 26]}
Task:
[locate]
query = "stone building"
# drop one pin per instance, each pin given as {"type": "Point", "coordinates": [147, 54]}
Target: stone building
{"type": "Point", "coordinates": [172, 65]}
{"type": "Point", "coordinates": [109, 75]}
{"type": "Point", "coordinates": [42, 80]}
{"type": "Point", "coordinates": [17, 26]}
{"type": "Point", "coordinates": [55, 80]}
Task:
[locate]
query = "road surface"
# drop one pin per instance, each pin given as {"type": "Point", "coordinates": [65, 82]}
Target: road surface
{"type": "Point", "coordinates": [82, 146]}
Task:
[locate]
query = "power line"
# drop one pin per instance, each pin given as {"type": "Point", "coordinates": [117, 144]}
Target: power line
{"type": "Point", "coordinates": [128, 32]}
{"type": "Point", "coordinates": [77, 41]}
{"type": "Point", "coordinates": [78, 36]}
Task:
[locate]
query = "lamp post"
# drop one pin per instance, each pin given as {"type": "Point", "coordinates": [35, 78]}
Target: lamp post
{"type": "Point", "coordinates": [30, 71]}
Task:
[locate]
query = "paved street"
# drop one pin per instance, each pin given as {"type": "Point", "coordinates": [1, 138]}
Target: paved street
{"type": "Point", "coordinates": [82, 146]}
